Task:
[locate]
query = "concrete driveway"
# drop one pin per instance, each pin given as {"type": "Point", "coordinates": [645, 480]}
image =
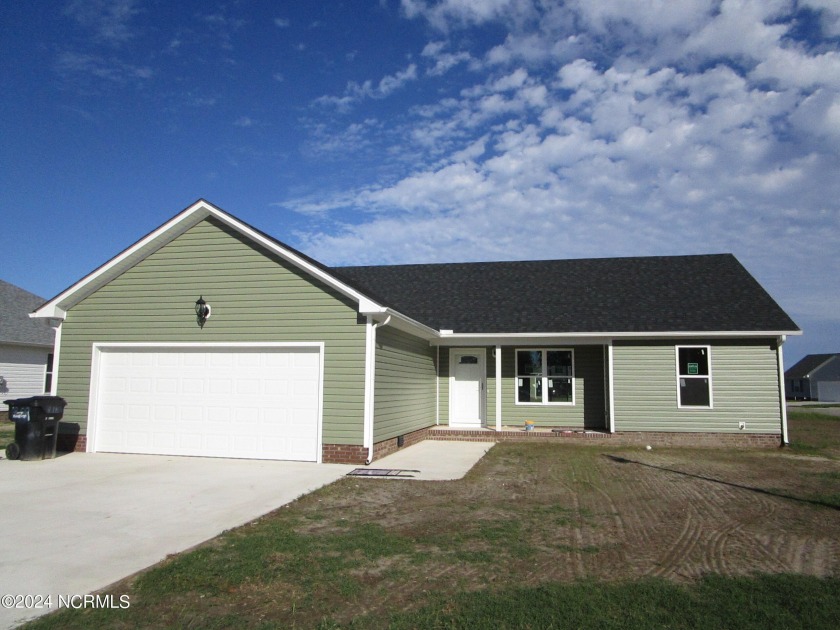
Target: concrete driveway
{"type": "Point", "coordinates": [78, 523]}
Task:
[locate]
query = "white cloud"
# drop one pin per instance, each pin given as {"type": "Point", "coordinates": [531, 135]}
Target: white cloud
{"type": "Point", "coordinates": [611, 128]}
{"type": "Point", "coordinates": [356, 92]}
{"type": "Point", "coordinates": [448, 13]}
{"type": "Point", "coordinates": [651, 17]}
{"type": "Point", "coordinates": [444, 61]}
{"type": "Point", "coordinates": [282, 22]}
{"type": "Point", "coordinates": [70, 64]}
{"type": "Point", "coordinates": [109, 20]}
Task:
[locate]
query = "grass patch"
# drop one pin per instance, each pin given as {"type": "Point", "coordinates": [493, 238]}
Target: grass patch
{"type": "Point", "coordinates": [784, 601]}
{"type": "Point", "coordinates": [814, 433]}
{"type": "Point", "coordinates": [7, 432]}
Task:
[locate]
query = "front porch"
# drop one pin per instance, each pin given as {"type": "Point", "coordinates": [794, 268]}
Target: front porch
{"type": "Point", "coordinates": [562, 391]}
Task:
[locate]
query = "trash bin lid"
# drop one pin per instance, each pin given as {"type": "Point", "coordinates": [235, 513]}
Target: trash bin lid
{"type": "Point", "coordinates": [51, 405]}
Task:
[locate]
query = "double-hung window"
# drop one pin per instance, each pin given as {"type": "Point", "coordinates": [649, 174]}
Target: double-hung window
{"type": "Point", "coordinates": [545, 377]}
{"type": "Point", "coordinates": [694, 376]}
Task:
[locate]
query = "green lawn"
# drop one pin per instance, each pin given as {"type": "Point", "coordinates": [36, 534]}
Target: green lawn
{"type": "Point", "coordinates": [536, 536]}
{"type": "Point", "coordinates": [813, 432]}
{"type": "Point", "coordinates": [7, 433]}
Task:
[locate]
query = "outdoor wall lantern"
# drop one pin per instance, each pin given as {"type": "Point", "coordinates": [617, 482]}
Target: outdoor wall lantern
{"type": "Point", "coordinates": [202, 311]}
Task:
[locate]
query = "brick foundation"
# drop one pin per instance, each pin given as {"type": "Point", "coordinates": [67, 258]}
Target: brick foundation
{"type": "Point", "coordinates": [658, 438]}
{"type": "Point", "coordinates": [355, 454]}
{"type": "Point", "coordinates": [343, 454]}
{"type": "Point", "coordinates": [386, 447]}
{"type": "Point", "coordinates": [71, 442]}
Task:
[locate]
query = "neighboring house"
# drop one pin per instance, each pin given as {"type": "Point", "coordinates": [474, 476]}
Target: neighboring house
{"type": "Point", "coordinates": [26, 346]}
{"type": "Point", "coordinates": [815, 377]}
{"type": "Point", "coordinates": [297, 360]}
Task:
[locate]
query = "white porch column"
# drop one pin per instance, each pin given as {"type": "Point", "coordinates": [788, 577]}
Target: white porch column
{"type": "Point", "coordinates": [498, 388]}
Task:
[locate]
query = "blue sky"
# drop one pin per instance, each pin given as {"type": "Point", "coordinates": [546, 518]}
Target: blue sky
{"type": "Point", "coordinates": [421, 131]}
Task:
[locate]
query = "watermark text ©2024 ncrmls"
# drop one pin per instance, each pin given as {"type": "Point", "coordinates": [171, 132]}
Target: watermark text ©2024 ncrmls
{"type": "Point", "coordinates": [34, 602]}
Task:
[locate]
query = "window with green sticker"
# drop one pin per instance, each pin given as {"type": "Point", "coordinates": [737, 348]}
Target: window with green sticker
{"type": "Point", "coordinates": [694, 376]}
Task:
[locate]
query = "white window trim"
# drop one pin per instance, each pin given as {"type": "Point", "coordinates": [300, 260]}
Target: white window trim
{"type": "Point", "coordinates": [711, 404]}
{"type": "Point", "coordinates": [544, 402]}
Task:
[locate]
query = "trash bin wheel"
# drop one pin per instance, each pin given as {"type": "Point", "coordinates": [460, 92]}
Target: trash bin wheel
{"type": "Point", "coordinates": [13, 451]}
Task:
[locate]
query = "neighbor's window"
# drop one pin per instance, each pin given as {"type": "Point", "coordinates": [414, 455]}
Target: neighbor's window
{"type": "Point", "coordinates": [49, 378]}
{"type": "Point", "coordinates": [694, 382]}
{"type": "Point", "coordinates": [545, 377]}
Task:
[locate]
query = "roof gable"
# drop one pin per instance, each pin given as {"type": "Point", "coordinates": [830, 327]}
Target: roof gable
{"type": "Point", "coordinates": [15, 325]}
{"type": "Point", "coordinates": [172, 229]}
{"type": "Point", "coordinates": [665, 294]}
{"type": "Point", "coordinates": [809, 364]}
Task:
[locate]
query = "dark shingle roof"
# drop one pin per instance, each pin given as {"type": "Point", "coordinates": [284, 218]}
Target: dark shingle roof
{"type": "Point", "coordinates": [15, 324]}
{"type": "Point", "coordinates": [808, 364]}
{"type": "Point", "coordinates": [708, 293]}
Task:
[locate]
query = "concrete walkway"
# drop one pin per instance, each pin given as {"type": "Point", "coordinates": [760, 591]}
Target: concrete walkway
{"type": "Point", "coordinates": [76, 524]}
{"type": "Point", "coordinates": [435, 460]}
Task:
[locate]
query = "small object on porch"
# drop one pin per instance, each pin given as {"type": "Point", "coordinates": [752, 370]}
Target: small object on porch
{"type": "Point", "coordinates": [529, 425]}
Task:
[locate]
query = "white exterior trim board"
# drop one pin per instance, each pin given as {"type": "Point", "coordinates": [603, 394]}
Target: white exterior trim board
{"type": "Point", "coordinates": [594, 338]}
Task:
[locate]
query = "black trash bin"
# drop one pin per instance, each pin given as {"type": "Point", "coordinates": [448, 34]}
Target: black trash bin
{"type": "Point", "coordinates": [36, 426]}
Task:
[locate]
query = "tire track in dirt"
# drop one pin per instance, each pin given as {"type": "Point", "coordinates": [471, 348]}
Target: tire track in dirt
{"type": "Point", "coordinates": [618, 531]}
{"type": "Point", "coordinates": [577, 530]}
{"type": "Point", "coordinates": [680, 549]}
{"type": "Point", "coordinates": [647, 521]}
{"type": "Point", "coordinates": [713, 538]}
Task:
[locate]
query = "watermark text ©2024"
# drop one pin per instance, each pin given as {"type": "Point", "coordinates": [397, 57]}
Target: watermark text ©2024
{"type": "Point", "coordinates": [34, 602]}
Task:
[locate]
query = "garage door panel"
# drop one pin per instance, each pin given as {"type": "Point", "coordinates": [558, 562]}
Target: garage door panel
{"type": "Point", "coordinates": [254, 403]}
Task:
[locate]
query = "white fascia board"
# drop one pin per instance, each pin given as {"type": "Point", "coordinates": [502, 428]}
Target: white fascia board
{"type": "Point", "coordinates": [481, 339]}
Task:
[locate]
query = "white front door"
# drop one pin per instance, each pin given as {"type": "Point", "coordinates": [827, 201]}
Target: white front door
{"type": "Point", "coordinates": [466, 387]}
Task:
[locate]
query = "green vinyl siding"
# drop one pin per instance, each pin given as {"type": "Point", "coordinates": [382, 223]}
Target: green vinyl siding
{"type": "Point", "coordinates": [745, 388]}
{"type": "Point", "coordinates": [256, 297]}
{"type": "Point", "coordinates": [404, 382]}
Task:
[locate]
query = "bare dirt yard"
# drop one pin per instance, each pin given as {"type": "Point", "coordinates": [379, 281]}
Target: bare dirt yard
{"type": "Point", "coordinates": [527, 515]}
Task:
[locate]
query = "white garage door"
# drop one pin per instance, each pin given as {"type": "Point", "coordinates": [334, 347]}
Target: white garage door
{"type": "Point", "coordinates": [255, 403]}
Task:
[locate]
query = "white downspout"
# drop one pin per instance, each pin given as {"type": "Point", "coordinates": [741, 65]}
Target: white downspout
{"type": "Point", "coordinates": [611, 377]}
{"type": "Point", "coordinates": [56, 355]}
{"type": "Point", "coordinates": [780, 358]}
{"type": "Point", "coordinates": [370, 378]}
{"type": "Point", "coordinates": [498, 388]}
